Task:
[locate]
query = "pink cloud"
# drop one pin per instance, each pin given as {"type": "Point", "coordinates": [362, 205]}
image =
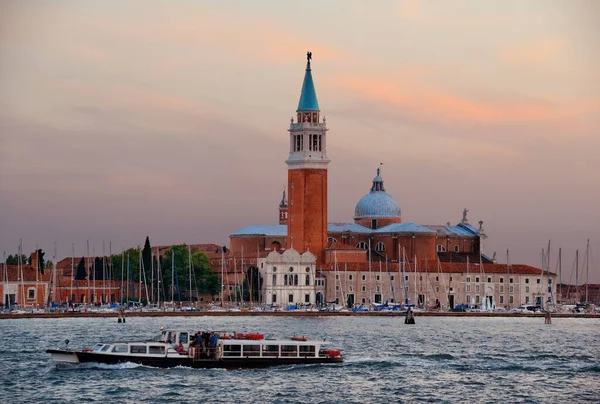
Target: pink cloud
{"type": "Point", "coordinates": [444, 107]}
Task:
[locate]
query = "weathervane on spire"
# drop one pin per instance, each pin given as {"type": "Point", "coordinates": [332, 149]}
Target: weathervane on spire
{"type": "Point", "coordinates": [308, 56]}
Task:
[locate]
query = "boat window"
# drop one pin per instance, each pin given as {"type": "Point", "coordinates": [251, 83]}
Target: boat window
{"type": "Point", "coordinates": [232, 350]}
{"type": "Point", "coordinates": [156, 350]}
{"type": "Point", "coordinates": [251, 350]}
{"type": "Point", "coordinates": [97, 347]}
{"type": "Point", "coordinates": [270, 350]}
{"type": "Point", "coordinates": [138, 349]}
{"type": "Point", "coordinates": [307, 350]}
{"type": "Point", "coordinates": [289, 350]}
{"type": "Point", "coordinates": [183, 338]}
{"type": "Point", "coordinates": [120, 348]}
{"type": "Point", "coordinates": [105, 348]}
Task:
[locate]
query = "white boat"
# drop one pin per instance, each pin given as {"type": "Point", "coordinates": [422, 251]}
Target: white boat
{"type": "Point", "coordinates": [217, 349]}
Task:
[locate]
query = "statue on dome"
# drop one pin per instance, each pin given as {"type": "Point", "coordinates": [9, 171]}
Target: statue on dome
{"type": "Point", "coordinates": [464, 219]}
{"type": "Point", "coordinates": [308, 56]}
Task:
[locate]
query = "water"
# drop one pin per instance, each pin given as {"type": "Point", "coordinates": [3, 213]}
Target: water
{"type": "Point", "coordinates": [445, 359]}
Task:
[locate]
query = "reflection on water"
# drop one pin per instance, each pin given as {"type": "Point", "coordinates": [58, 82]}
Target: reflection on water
{"type": "Point", "coordinates": [439, 359]}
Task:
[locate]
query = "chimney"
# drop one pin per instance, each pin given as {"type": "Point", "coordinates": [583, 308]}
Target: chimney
{"type": "Point", "coordinates": [34, 259]}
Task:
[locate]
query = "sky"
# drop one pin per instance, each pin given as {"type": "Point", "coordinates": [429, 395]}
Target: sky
{"type": "Point", "coordinates": [121, 120]}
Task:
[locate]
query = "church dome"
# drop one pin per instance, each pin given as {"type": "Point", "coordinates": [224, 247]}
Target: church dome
{"type": "Point", "coordinates": [377, 203]}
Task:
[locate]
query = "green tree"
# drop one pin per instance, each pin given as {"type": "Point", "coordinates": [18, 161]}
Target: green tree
{"type": "Point", "coordinates": [203, 280]}
{"type": "Point", "coordinates": [40, 264]}
{"type": "Point", "coordinates": [81, 273]}
{"type": "Point", "coordinates": [147, 256]}
{"type": "Point", "coordinates": [14, 259]}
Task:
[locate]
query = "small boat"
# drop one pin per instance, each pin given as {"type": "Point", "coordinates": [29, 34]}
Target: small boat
{"type": "Point", "coordinates": [216, 349]}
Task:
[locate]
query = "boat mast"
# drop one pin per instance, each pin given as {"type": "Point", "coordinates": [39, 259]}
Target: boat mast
{"type": "Point", "coordinates": [415, 267]}
{"type": "Point", "coordinates": [468, 286]}
{"type": "Point", "coordinates": [243, 274]}
{"type": "Point", "coordinates": [53, 274]}
{"type": "Point", "coordinates": [5, 281]}
{"type": "Point", "coordinates": [548, 286]}
{"type": "Point", "coordinates": [577, 299]}
{"type": "Point", "coordinates": [560, 273]}
{"type": "Point", "coordinates": [172, 276]}
{"type": "Point", "coordinates": [507, 278]}
{"type": "Point", "coordinates": [190, 271]}
{"type": "Point", "coordinates": [370, 276]}
{"type": "Point", "coordinates": [404, 276]}
{"type": "Point", "coordinates": [222, 275]}
{"type": "Point", "coordinates": [71, 297]}
{"type": "Point", "coordinates": [235, 280]}
{"type": "Point", "coordinates": [587, 269]}
{"type": "Point", "coordinates": [258, 276]}
{"type": "Point", "coordinates": [103, 300]}
{"type": "Point", "coordinates": [20, 264]}
{"type": "Point", "coordinates": [158, 276]}
{"type": "Point", "coordinates": [122, 273]}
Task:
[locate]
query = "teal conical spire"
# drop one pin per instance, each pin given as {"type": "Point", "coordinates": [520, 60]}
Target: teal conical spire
{"type": "Point", "coordinates": [308, 97]}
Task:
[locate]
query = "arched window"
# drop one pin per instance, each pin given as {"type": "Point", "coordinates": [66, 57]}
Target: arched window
{"type": "Point", "coordinates": [307, 280]}
{"type": "Point", "coordinates": [441, 248]}
{"type": "Point", "coordinates": [362, 245]}
{"type": "Point", "coordinates": [331, 240]}
{"type": "Point", "coordinates": [295, 280]}
{"type": "Point", "coordinates": [285, 279]}
{"type": "Point", "coordinates": [274, 279]}
{"type": "Point", "coordinates": [380, 246]}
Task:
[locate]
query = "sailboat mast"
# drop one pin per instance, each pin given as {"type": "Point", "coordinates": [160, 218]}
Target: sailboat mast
{"type": "Point", "coordinates": [103, 300]}
{"type": "Point", "coordinates": [560, 273]}
{"type": "Point", "coordinates": [222, 275]}
{"type": "Point", "coordinates": [190, 271]}
{"type": "Point", "coordinates": [5, 280]}
{"type": "Point", "coordinates": [53, 274]}
{"type": "Point", "coordinates": [172, 276]}
{"type": "Point", "coordinates": [20, 263]}
{"type": "Point", "coordinates": [507, 278]}
{"type": "Point", "coordinates": [548, 286]}
{"type": "Point", "coordinates": [71, 298]}
{"type": "Point", "coordinates": [415, 267]}
{"type": "Point", "coordinates": [587, 269]}
{"type": "Point", "coordinates": [577, 276]}
{"type": "Point", "coordinates": [370, 276]}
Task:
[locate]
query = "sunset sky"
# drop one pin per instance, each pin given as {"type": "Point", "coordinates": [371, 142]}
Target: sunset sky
{"type": "Point", "coordinates": [126, 119]}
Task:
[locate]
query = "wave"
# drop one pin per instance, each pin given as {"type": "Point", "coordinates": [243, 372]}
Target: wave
{"type": "Point", "coordinates": [99, 366]}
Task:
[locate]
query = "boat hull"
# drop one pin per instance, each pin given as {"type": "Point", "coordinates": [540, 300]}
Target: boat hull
{"type": "Point", "coordinates": [65, 356]}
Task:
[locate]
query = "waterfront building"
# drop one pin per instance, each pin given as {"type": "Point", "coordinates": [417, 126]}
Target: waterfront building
{"type": "Point", "coordinates": [376, 258]}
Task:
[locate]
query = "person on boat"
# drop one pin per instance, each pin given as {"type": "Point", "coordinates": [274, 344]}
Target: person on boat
{"type": "Point", "coordinates": [180, 349]}
{"type": "Point", "coordinates": [212, 344]}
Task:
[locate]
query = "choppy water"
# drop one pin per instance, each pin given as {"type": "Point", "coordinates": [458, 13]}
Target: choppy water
{"type": "Point", "coordinates": [439, 359]}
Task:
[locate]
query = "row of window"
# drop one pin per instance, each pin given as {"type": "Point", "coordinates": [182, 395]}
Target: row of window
{"type": "Point", "coordinates": [269, 350]}
{"type": "Point", "coordinates": [441, 248]}
{"type": "Point", "coordinates": [229, 260]}
{"type": "Point", "coordinates": [291, 298]}
{"type": "Point", "coordinates": [291, 269]}
{"type": "Point", "coordinates": [291, 280]}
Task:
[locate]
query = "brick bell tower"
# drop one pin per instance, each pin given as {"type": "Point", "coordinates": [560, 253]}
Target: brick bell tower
{"type": "Point", "coordinates": [307, 174]}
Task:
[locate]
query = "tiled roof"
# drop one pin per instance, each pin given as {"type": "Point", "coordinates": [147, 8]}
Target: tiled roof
{"type": "Point", "coordinates": [341, 246]}
{"type": "Point", "coordinates": [445, 267]}
{"type": "Point", "coordinates": [13, 273]}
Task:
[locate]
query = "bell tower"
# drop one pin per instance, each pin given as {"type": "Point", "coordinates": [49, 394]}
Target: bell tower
{"type": "Point", "coordinates": [307, 174]}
